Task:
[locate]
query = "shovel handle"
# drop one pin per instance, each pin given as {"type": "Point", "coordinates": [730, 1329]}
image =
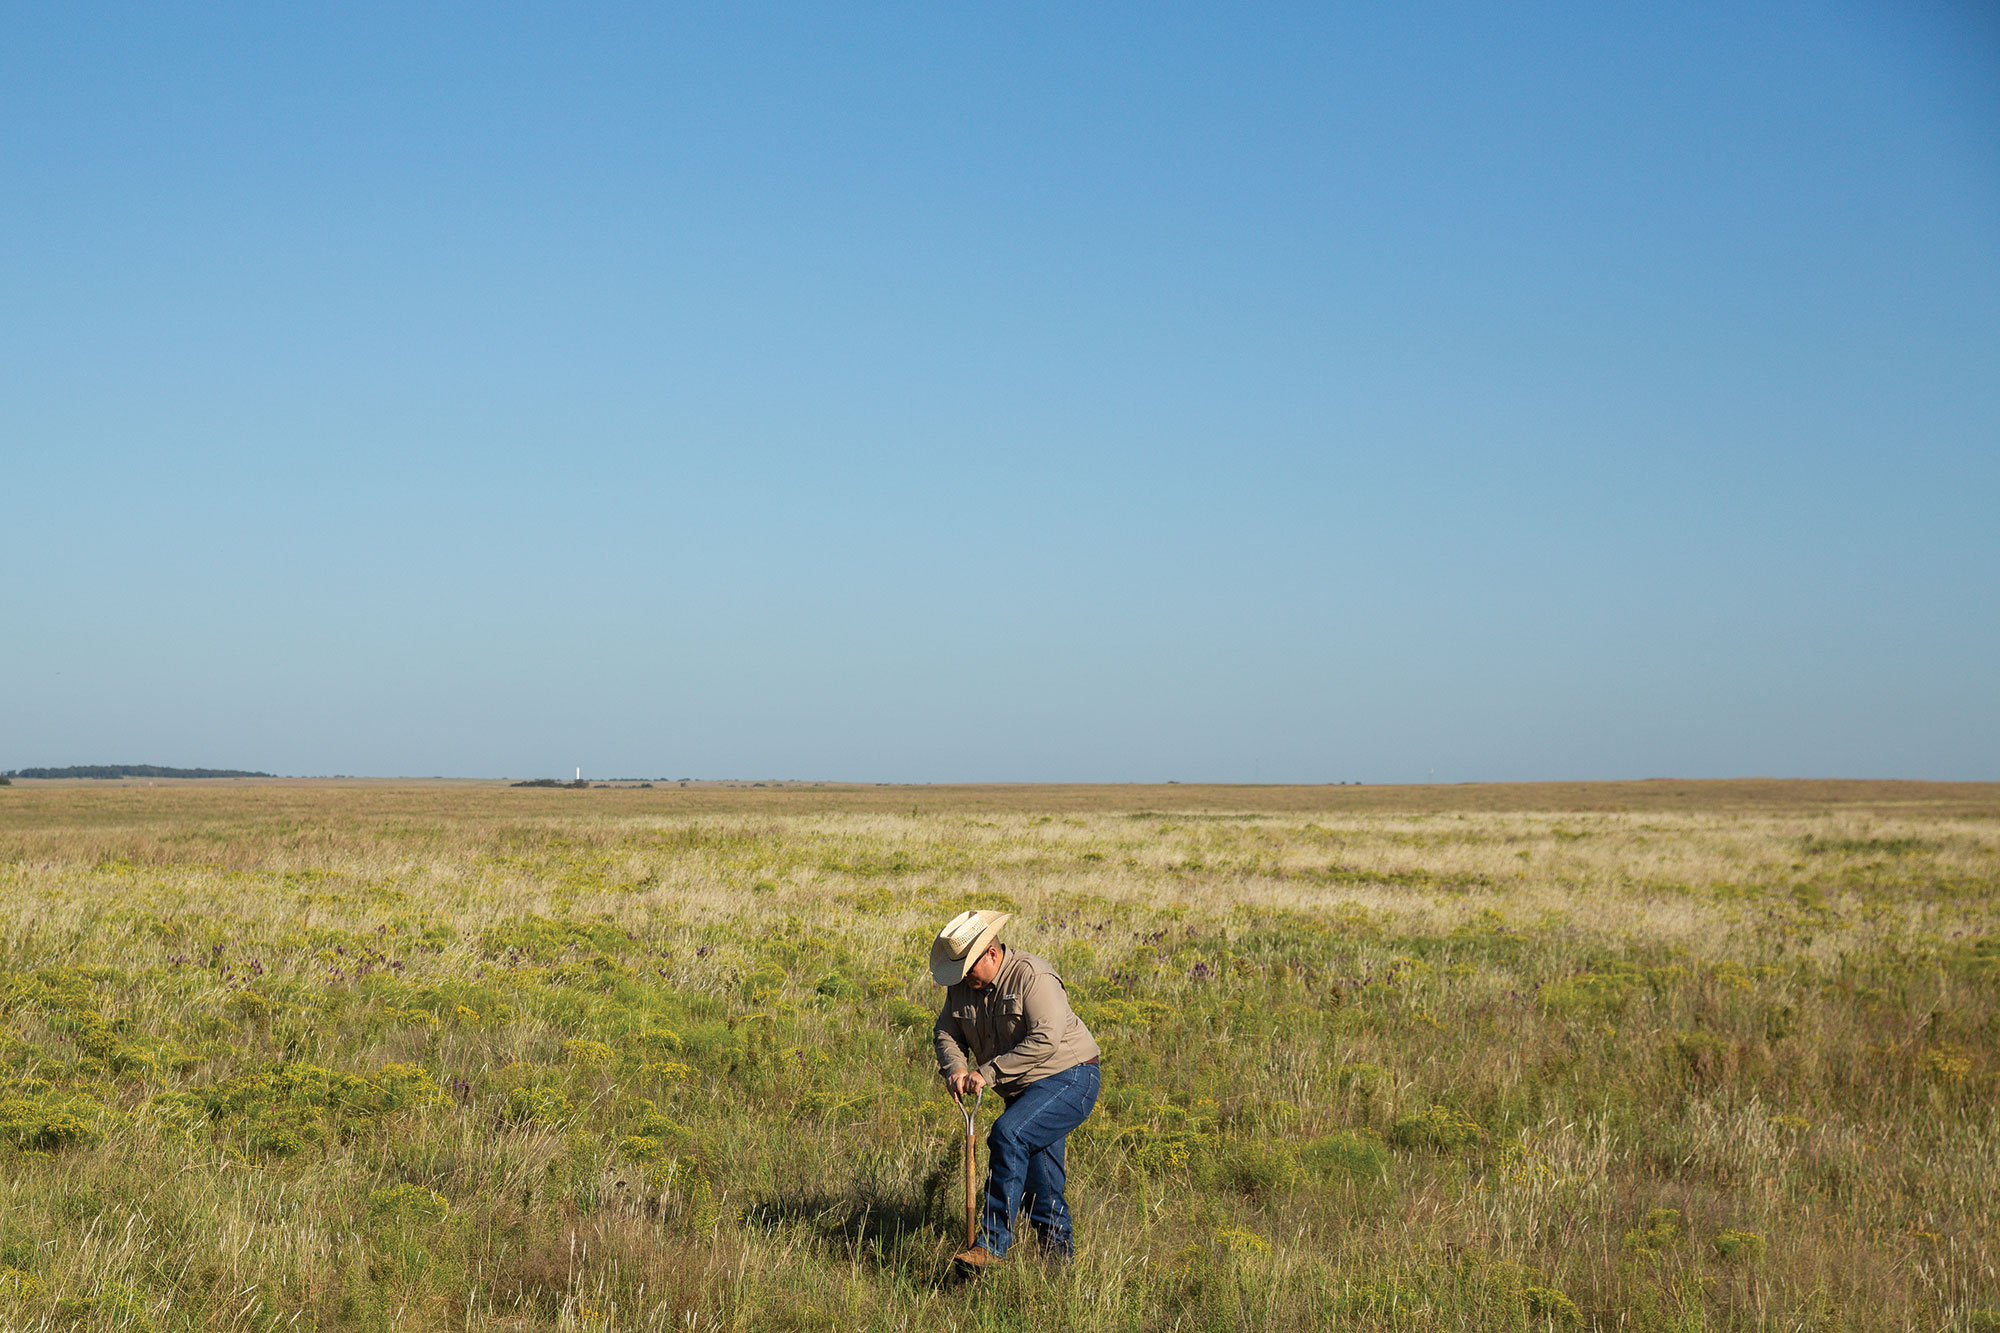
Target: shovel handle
{"type": "Point", "coordinates": [971, 1193]}
{"type": "Point", "coordinates": [971, 1113]}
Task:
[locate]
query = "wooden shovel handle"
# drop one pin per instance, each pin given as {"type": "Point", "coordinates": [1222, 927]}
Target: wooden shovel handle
{"type": "Point", "coordinates": [971, 1193]}
{"type": "Point", "coordinates": [971, 1111]}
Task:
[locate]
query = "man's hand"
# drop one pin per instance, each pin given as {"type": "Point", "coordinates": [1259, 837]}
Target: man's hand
{"type": "Point", "coordinates": [965, 1083]}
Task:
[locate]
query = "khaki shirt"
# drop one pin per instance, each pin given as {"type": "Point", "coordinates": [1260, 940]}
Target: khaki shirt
{"type": "Point", "coordinates": [1019, 1030]}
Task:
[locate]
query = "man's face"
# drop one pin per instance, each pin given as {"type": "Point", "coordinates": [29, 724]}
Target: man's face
{"type": "Point", "coordinates": [988, 967]}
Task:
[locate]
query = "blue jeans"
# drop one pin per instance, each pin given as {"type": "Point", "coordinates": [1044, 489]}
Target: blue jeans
{"type": "Point", "coordinates": [1025, 1160]}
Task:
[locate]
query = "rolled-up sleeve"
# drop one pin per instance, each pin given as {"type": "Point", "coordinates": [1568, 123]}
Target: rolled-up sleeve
{"type": "Point", "coordinates": [1045, 1013]}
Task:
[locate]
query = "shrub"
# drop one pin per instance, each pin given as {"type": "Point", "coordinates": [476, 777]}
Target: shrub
{"type": "Point", "coordinates": [581, 1052]}
{"type": "Point", "coordinates": [1139, 1014]}
{"type": "Point", "coordinates": [639, 1148]}
{"type": "Point", "coordinates": [114, 1305]}
{"type": "Point", "coordinates": [1159, 1152]}
{"type": "Point", "coordinates": [1702, 1056]}
{"type": "Point", "coordinates": [665, 1071]}
{"type": "Point", "coordinates": [653, 1043]}
{"type": "Point", "coordinates": [1238, 1241]}
{"type": "Point", "coordinates": [703, 1209]}
{"type": "Point", "coordinates": [837, 986]}
{"type": "Point", "coordinates": [881, 985]}
{"type": "Point", "coordinates": [538, 1106]}
{"type": "Point", "coordinates": [1362, 1075]}
{"type": "Point", "coordinates": [1984, 955]}
{"type": "Point", "coordinates": [1075, 961]}
{"type": "Point", "coordinates": [1356, 1152]}
{"type": "Point", "coordinates": [714, 1046]}
{"type": "Point", "coordinates": [248, 1006]}
{"type": "Point", "coordinates": [1591, 993]}
{"type": "Point", "coordinates": [545, 937]}
{"type": "Point", "coordinates": [406, 1202]}
{"type": "Point", "coordinates": [92, 1035]}
{"type": "Point", "coordinates": [910, 1017]}
{"type": "Point", "coordinates": [402, 1087]}
{"type": "Point", "coordinates": [50, 1122]}
{"type": "Point", "coordinates": [1253, 1168]}
{"type": "Point", "coordinates": [1439, 1129]}
{"type": "Point", "coordinates": [655, 1138]}
{"type": "Point", "coordinates": [1548, 1303]}
{"type": "Point", "coordinates": [1661, 1228]}
{"type": "Point", "coordinates": [1381, 1298]}
{"type": "Point", "coordinates": [1739, 1247]}
{"type": "Point", "coordinates": [1947, 1064]}
{"type": "Point", "coordinates": [317, 1092]}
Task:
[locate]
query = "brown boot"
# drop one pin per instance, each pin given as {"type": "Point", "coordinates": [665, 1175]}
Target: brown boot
{"type": "Point", "coordinates": [978, 1258]}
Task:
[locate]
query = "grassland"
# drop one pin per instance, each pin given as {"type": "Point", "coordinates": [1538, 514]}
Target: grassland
{"type": "Point", "coordinates": [1666, 1056]}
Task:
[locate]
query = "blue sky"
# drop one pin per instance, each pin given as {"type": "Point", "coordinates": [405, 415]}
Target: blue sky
{"type": "Point", "coordinates": [1304, 393]}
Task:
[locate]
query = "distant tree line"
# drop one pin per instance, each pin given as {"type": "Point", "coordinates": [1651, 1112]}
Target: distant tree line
{"type": "Point", "coordinates": [579, 784]}
{"type": "Point", "coordinates": [132, 771]}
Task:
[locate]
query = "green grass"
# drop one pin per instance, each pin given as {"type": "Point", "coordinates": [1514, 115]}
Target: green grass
{"type": "Point", "coordinates": [280, 1057]}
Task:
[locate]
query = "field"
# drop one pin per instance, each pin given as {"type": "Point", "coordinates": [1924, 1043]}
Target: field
{"type": "Point", "coordinates": [1649, 1056]}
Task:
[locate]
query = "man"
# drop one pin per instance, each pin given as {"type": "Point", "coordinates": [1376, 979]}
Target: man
{"type": "Point", "coordinates": [1006, 1024]}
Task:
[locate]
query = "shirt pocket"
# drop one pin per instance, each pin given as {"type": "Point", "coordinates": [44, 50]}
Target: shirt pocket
{"type": "Point", "coordinates": [1011, 1018]}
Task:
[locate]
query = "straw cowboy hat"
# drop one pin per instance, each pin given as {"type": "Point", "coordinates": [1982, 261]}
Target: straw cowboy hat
{"type": "Point", "coordinates": [961, 942]}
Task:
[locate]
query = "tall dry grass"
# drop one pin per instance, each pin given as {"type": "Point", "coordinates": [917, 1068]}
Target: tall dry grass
{"type": "Point", "coordinates": [1658, 1056]}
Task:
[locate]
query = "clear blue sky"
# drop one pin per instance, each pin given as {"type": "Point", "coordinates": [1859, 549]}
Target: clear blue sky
{"type": "Point", "coordinates": [933, 393]}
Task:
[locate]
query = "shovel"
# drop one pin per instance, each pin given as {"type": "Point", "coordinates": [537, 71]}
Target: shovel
{"type": "Point", "coordinates": [970, 1110]}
